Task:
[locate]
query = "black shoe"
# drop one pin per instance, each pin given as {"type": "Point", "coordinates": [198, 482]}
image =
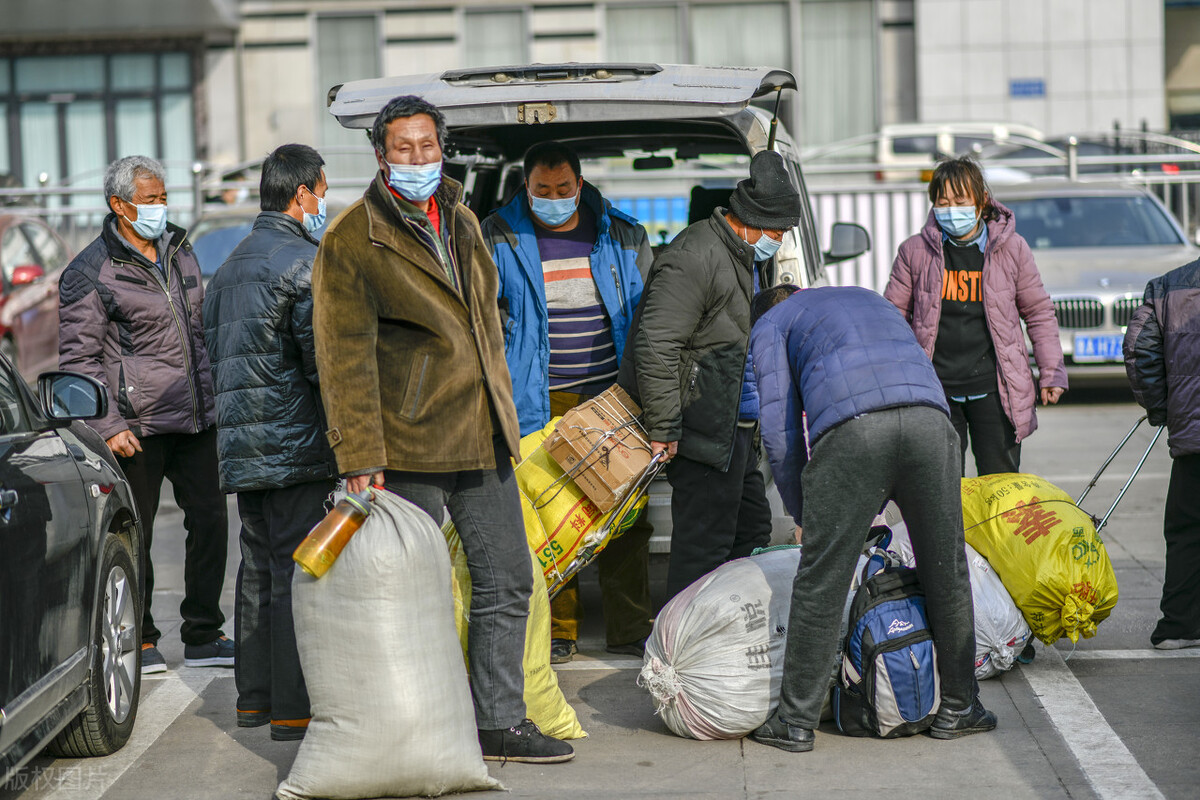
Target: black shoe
{"type": "Point", "coordinates": [562, 650]}
{"type": "Point", "coordinates": [253, 719]}
{"type": "Point", "coordinates": [777, 733]}
{"type": "Point", "coordinates": [524, 743]}
{"type": "Point", "coordinates": [951, 724]}
{"type": "Point", "coordinates": [288, 730]}
{"type": "Point", "coordinates": [636, 649]}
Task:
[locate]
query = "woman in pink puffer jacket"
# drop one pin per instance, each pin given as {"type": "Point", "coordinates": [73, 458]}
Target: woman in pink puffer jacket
{"type": "Point", "coordinates": [965, 283]}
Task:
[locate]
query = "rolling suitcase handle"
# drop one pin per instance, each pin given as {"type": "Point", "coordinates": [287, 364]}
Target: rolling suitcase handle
{"type": "Point", "coordinates": [1104, 520]}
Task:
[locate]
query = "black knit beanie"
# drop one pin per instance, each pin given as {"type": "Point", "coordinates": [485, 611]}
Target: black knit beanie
{"type": "Point", "coordinates": [768, 198]}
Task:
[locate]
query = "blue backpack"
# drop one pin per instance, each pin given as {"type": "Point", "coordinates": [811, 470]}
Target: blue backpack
{"type": "Point", "coordinates": [888, 684]}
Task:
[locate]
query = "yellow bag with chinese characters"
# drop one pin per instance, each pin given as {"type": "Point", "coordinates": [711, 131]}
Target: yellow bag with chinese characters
{"type": "Point", "coordinates": [559, 518]}
{"type": "Point", "coordinates": [544, 701]}
{"type": "Point", "coordinates": [1045, 550]}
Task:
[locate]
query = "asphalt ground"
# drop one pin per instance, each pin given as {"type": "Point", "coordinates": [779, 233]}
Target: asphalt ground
{"type": "Point", "coordinates": [1109, 717]}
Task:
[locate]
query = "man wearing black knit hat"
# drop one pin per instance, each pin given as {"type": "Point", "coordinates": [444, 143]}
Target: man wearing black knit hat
{"type": "Point", "coordinates": [687, 366]}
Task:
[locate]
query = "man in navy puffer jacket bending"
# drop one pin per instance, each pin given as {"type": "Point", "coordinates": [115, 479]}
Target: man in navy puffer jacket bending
{"type": "Point", "coordinates": [879, 430]}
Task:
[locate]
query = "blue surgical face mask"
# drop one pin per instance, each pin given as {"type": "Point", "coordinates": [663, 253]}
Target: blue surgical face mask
{"type": "Point", "coordinates": [151, 221]}
{"type": "Point", "coordinates": [766, 247]}
{"type": "Point", "coordinates": [314, 221]}
{"type": "Point", "coordinates": [957, 221]}
{"type": "Point", "coordinates": [415, 181]}
{"type": "Point", "coordinates": [553, 212]}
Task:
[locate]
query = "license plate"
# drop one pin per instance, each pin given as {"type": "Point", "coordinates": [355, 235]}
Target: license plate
{"type": "Point", "coordinates": [1092, 347]}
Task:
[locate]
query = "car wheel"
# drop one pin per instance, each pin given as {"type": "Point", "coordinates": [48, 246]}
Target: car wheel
{"type": "Point", "coordinates": [115, 677]}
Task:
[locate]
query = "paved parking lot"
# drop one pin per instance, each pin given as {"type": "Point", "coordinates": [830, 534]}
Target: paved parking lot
{"type": "Point", "coordinates": [1109, 718]}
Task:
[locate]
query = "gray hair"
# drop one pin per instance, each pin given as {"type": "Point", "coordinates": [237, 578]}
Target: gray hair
{"type": "Point", "coordinates": [120, 177]}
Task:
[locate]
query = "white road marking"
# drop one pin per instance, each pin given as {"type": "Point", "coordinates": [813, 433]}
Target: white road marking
{"type": "Point", "coordinates": [156, 711]}
{"type": "Point", "coordinates": [599, 664]}
{"type": "Point", "coordinates": [1127, 655]}
{"type": "Point", "coordinates": [1107, 764]}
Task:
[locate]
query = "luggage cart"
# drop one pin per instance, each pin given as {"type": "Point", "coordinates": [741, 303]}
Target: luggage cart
{"type": "Point", "coordinates": [1100, 523]}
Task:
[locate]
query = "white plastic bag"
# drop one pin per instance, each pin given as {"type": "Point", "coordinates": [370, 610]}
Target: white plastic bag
{"type": "Point", "coordinates": [1000, 630]}
{"type": "Point", "coordinates": [391, 709]}
{"type": "Point", "coordinates": [714, 661]}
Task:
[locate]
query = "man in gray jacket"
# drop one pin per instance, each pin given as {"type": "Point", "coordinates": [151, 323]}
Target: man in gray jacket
{"type": "Point", "coordinates": [271, 427]}
{"type": "Point", "coordinates": [129, 316]}
{"type": "Point", "coordinates": [1162, 358]}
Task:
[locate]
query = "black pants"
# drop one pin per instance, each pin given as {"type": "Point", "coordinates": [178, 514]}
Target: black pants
{"type": "Point", "coordinates": [907, 454]}
{"type": "Point", "coordinates": [715, 516]}
{"type": "Point", "coordinates": [1181, 528]}
{"type": "Point", "coordinates": [189, 461]}
{"type": "Point", "coordinates": [267, 670]}
{"type": "Point", "coordinates": [993, 438]}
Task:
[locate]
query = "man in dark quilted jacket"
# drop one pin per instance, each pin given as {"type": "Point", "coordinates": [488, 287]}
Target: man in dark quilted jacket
{"type": "Point", "coordinates": [270, 426]}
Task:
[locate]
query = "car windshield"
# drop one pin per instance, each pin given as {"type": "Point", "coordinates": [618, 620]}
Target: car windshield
{"type": "Point", "coordinates": [214, 242]}
{"type": "Point", "coordinates": [1120, 221]}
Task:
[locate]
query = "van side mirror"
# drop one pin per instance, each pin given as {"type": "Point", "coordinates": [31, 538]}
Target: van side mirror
{"type": "Point", "coordinates": [847, 240]}
{"type": "Point", "coordinates": [67, 396]}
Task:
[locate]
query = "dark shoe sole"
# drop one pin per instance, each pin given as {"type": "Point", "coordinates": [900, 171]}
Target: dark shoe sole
{"type": "Point", "coordinates": [561, 659]}
{"type": "Point", "coordinates": [253, 719]}
{"type": "Point", "coordinates": [532, 759]}
{"type": "Point", "coordinates": [287, 733]}
{"type": "Point", "coordinates": [784, 744]}
{"type": "Point", "coordinates": [938, 733]}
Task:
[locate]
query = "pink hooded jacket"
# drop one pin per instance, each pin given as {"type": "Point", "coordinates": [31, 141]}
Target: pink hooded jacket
{"type": "Point", "coordinates": [1012, 291]}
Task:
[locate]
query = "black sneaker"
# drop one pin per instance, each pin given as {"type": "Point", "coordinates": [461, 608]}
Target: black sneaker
{"type": "Point", "coordinates": [217, 653]}
{"type": "Point", "coordinates": [777, 733]}
{"type": "Point", "coordinates": [253, 718]}
{"type": "Point", "coordinates": [152, 660]}
{"type": "Point", "coordinates": [636, 649]}
{"type": "Point", "coordinates": [562, 650]}
{"type": "Point", "coordinates": [951, 724]}
{"type": "Point", "coordinates": [288, 730]}
{"type": "Point", "coordinates": [524, 743]}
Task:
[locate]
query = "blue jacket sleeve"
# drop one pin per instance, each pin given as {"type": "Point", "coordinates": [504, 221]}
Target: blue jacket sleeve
{"type": "Point", "coordinates": [781, 413]}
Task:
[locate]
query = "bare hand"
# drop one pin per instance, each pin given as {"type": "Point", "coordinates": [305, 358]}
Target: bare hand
{"type": "Point", "coordinates": [125, 444]}
{"type": "Point", "coordinates": [360, 483]}
{"type": "Point", "coordinates": [1051, 394]}
{"type": "Point", "coordinates": [669, 449]}
{"type": "Point", "coordinates": [799, 533]}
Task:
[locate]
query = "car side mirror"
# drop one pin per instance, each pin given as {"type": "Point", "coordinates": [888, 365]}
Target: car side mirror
{"type": "Point", "coordinates": [26, 273]}
{"type": "Point", "coordinates": [67, 396]}
{"type": "Point", "coordinates": [847, 240]}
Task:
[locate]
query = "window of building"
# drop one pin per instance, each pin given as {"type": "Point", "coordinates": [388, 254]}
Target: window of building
{"type": "Point", "coordinates": [495, 38]}
{"type": "Point", "coordinates": [837, 47]}
{"type": "Point", "coordinates": [638, 33]}
{"type": "Point", "coordinates": [69, 116]}
{"type": "Point", "coordinates": [348, 49]}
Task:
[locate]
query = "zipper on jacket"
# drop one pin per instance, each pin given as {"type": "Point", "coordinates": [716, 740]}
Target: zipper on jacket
{"type": "Point", "coordinates": [620, 293]}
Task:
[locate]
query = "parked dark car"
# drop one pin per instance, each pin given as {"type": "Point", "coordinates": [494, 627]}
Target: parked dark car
{"type": "Point", "coordinates": [29, 250]}
{"type": "Point", "coordinates": [70, 576]}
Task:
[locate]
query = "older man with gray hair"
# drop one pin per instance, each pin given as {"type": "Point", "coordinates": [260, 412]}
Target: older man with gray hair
{"type": "Point", "coordinates": [130, 316]}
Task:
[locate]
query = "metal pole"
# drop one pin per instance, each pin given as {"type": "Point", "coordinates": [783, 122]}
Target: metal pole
{"type": "Point", "coordinates": [197, 190]}
{"type": "Point", "coordinates": [1125, 488]}
{"type": "Point", "coordinates": [1072, 159]}
{"type": "Point", "coordinates": [775, 119]}
{"type": "Point", "coordinates": [1110, 458]}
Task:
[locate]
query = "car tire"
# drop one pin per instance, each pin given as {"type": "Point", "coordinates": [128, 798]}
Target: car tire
{"type": "Point", "coordinates": [115, 676]}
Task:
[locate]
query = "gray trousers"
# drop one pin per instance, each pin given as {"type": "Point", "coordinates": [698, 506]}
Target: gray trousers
{"type": "Point", "coordinates": [486, 508]}
{"type": "Point", "coordinates": [910, 455]}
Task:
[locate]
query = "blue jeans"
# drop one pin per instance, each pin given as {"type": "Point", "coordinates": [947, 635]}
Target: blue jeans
{"type": "Point", "coordinates": [486, 509]}
{"type": "Point", "coordinates": [267, 669]}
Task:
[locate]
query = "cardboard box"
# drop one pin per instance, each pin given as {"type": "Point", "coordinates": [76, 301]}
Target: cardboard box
{"type": "Point", "coordinates": [602, 446]}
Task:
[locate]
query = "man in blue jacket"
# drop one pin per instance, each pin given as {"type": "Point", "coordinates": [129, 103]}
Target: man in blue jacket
{"type": "Point", "coordinates": [571, 274]}
{"type": "Point", "coordinates": [880, 430]}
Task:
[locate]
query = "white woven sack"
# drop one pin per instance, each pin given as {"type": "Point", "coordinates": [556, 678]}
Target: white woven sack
{"type": "Point", "coordinates": [714, 661]}
{"type": "Point", "coordinates": [1000, 630]}
{"type": "Point", "coordinates": [391, 709]}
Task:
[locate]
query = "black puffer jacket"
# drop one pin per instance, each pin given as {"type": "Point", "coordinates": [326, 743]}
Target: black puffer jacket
{"type": "Point", "coordinates": [687, 353]}
{"type": "Point", "coordinates": [258, 325]}
{"type": "Point", "coordinates": [1162, 356]}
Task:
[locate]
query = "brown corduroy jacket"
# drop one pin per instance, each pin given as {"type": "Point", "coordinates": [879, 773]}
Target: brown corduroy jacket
{"type": "Point", "coordinates": [412, 368]}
